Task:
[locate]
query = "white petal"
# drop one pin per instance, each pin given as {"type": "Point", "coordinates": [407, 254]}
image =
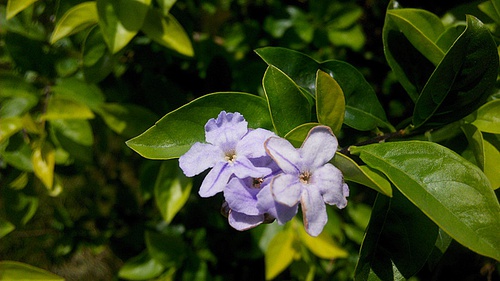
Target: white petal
{"type": "Point", "coordinates": [319, 147]}
{"type": "Point", "coordinates": [252, 144]}
{"type": "Point", "coordinates": [215, 181]}
{"type": "Point", "coordinates": [226, 130]}
{"type": "Point", "coordinates": [200, 157]}
{"type": "Point", "coordinates": [313, 211]}
{"type": "Point", "coordinates": [286, 189]}
{"type": "Point", "coordinates": [284, 154]}
{"type": "Point", "coordinates": [330, 183]}
{"type": "Point", "coordinates": [242, 222]}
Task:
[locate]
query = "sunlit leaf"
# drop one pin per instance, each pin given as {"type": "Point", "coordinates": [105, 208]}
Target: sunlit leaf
{"type": "Point", "coordinates": [18, 154]}
{"type": "Point", "coordinates": [280, 252]}
{"type": "Point", "coordinates": [65, 108]}
{"type": "Point", "coordinates": [43, 159]}
{"type": "Point", "coordinates": [16, 6]}
{"type": "Point", "coordinates": [167, 31]}
{"type": "Point", "coordinates": [141, 267]}
{"type": "Point", "coordinates": [76, 19]}
{"type": "Point", "coordinates": [490, 9]}
{"type": "Point", "coordinates": [120, 20]}
{"type": "Point", "coordinates": [289, 107]}
{"type": "Point", "coordinates": [77, 130]}
{"type": "Point", "coordinates": [5, 228]}
{"type": "Point", "coordinates": [451, 191]}
{"type": "Point", "coordinates": [362, 174]}
{"type": "Point", "coordinates": [488, 117]}
{"type": "Point", "coordinates": [387, 251]}
{"type": "Point", "coordinates": [9, 126]}
{"type": "Point", "coordinates": [13, 270]}
{"type": "Point", "coordinates": [79, 91]}
{"type": "Point", "coordinates": [322, 245]}
{"type": "Point", "coordinates": [171, 189]}
{"type": "Point", "coordinates": [462, 81]}
{"type": "Point", "coordinates": [330, 102]}
{"type": "Point", "coordinates": [127, 120]}
{"type": "Point", "coordinates": [177, 131]}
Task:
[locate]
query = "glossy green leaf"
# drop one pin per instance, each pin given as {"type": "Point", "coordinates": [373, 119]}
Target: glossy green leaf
{"type": "Point", "coordinates": [299, 134]}
{"type": "Point", "coordinates": [451, 191]}
{"type": "Point", "coordinates": [330, 102]}
{"type": "Point", "coordinates": [76, 19]}
{"type": "Point", "coordinates": [177, 131]}
{"type": "Point", "coordinates": [6, 227]}
{"type": "Point", "coordinates": [65, 108]}
{"type": "Point", "coordinates": [280, 252]}
{"type": "Point", "coordinates": [172, 189]}
{"type": "Point", "coordinates": [79, 91]}
{"type": "Point", "coordinates": [127, 120]}
{"type": "Point", "coordinates": [449, 36]}
{"type": "Point", "coordinates": [43, 159]}
{"type": "Point", "coordinates": [141, 267]}
{"type": "Point", "coordinates": [120, 20]}
{"type": "Point", "coordinates": [488, 117]}
{"type": "Point", "coordinates": [411, 67]}
{"type": "Point", "coordinates": [169, 249]}
{"type": "Point", "coordinates": [13, 270]}
{"type": "Point", "coordinates": [363, 110]}
{"type": "Point", "coordinates": [98, 62]}
{"type": "Point", "coordinates": [16, 6]}
{"type": "Point", "coordinates": [167, 31]}
{"type": "Point", "coordinates": [322, 245]}
{"type": "Point", "coordinates": [289, 107]}
{"type": "Point", "coordinates": [422, 29]}
{"type": "Point", "coordinates": [462, 81]}
{"type": "Point", "coordinates": [491, 146]}
{"type": "Point", "coordinates": [9, 126]}
{"type": "Point", "coordinates": [362, 174]}
{"type": "Point", "coordinates": [76, 130]}
{"type": "Point", "coordinates": [386, 247]}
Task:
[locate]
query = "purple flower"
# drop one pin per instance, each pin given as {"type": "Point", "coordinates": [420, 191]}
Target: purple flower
{"type": "Point", "coordinates": [229, 149]}
{"type": "Point", "coordinates": [250, 202]}
{"type": "Point", "coordinates": [307, 176]}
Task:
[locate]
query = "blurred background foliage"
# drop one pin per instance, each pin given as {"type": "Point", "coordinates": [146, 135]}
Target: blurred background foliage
{"type": "Point", "coordinates": [67, 106]}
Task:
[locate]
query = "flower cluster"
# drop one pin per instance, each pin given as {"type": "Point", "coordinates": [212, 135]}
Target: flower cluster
{"type": "Point", "coordinates": [263, 177]}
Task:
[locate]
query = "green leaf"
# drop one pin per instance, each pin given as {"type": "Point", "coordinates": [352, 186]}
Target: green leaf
{"type": "Point", "coordinates": [289, 107]}
{"type": "Point", "coordinates": [451, 191]}
{"type": "Point", "coordinates": [399, 238]}
{"type": "Point", "coordinates": [76, 19]}
{"type": "Point", "coordinates": [141, 267]}
{"type": "Point", "coordinates": [79, 91]}
{"type": "Point", "coordinates": [330, 102]}
{"type": "Point", "coordinates": [16, 6]}
{"type": "Point", "coordinates": [422, 29]}
{"type": "Point", "coordinates": [353, 37]}
{"type": "Point", "coordinates": [322, 245]}
{"type": "Point", "coordinates": [488, 7]}
{"type": "Point", "coordinates": [169, 249]}
{"type": "Point", "coordinates": [16, 95]}
{"type": "Point", "coordinates": [280, 252]}
{"type": "Point", "coordinates": [488, 117]}
{"type": "Point", "coordinates": [9, 126]}
{"type": "Point", "coordinates": [18, 154]}
{"type": "Point", "coordinates": [462, 81]}
{"type": "Point", "coordinates": [363, 110]}
{"type": "Point", "coordinates": [66, 108]}
{"type": "Point", "coordinates": [13, 270]}
{"type": "Point", "coordinates": [171, 189]}
{"type": "Point", "coordinates": [120, 20]}
{"type": "Point", "coordinates": [21, 207]}
{"type": "Point", "coordinates": [5, 227]}
{"type": "Point", "coordinates": [127, 120]}
{"type": "Point", "coordinates": [43, 159]}
{"type": "Point", "coordinates": [411, 67]}
{"type": "Point", "coordinates": [77, 130]}
{"type": "Point", "coordinates": [167, 31]}
{"type": "Point", "coordinates": [177, 131]}
{"type": "Point", "coordinates": [98, 62]}
{"type": "Point", "coordinates": [299, 133]}
{"type": "Point", "coordinates": [362, 174]}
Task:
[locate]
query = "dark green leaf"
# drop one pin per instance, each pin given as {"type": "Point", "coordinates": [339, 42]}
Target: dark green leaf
{"type": "Point", "coordinates": [98, 62]}
{"type": "Point", "coordinates": [399, 234]}
{"type": "Point", "coordinates": [462, 81]}
{"type": "Point", "coordinates": [79, 91]}
{"type": "Point", "coordinates": [169, 249]}
{"type": "Point", "coordinates": [20, 205]}
{"type": "Point", "coordinates": [177, 131]}
{"type": "Point", "coordinates": [127, 120]}
{"type": "Point", "coordinates": [5, 227]}
{"type": "Point", "coordinates": [451, 191]}
{"type": "Point", "coordinates": [289, 107]}
{"type": "Point", "coordinates": [77, 130]}
{"type": "Point", "coordinates": [141, 267]}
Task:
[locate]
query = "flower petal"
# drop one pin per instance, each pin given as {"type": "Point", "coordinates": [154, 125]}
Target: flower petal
{"type": "Point", "coordinates": [313, 210]}
{"type": "Point", "coordinates": [216, 180]}
{"type": "Point", "coordinates": [244, 168]}
{"type": "Point", "coordinates": [267, 204]}
{"type": "Point", "coordinates": [241, 198]}
{"type": "Point", "coordinates": [252, 144]}
{"type": "Point", "coordinates": [330, 183]}
{"type": "Point", "coordinates": [226, 130]}
{"type": "Point", "coordinates": [319, 147]}
{"type": "Point", "coordinates": [200, 157]}
{"type": "Point", "coordinates": [284, 154]}
{"type": "Point", "coordinates": [286, 189]}
{"type": "Point", "coordinates": [242, 222]}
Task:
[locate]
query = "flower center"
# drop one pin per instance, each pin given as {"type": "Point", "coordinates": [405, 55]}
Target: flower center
{"type": "Point", "coordinates": [230, 156]}
{"type": "Point", "coordinates": [305, 177]}
{"type": "Point", "coordinates": [256, 182]}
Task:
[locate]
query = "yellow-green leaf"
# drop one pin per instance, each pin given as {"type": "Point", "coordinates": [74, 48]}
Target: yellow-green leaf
{"type": "Point", "coordinates": [330, 101]}
{"type": "Point", "coordinates": [9, 126]}
{"type": "Point", "coordinates": [322, 246]}
{"type": "Point", "coordinates": [280, 253]}
{"type": "Point", "coordinates": [74, 20]}
{"type": "Point", "coordinates": [168, 32]}
{"type": "Point", "coordinates": [65, 108]}
{"type": "Point", "coordinates": [44, 160]}
{"type": "Point", "coordinates": [5, 227]}
{"type": "Point", "coordinates": [488, 117]}
{"type": "Point", "coordinates": [13, 270]}
{"type": "Point", "coordinates": [16, 6]}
